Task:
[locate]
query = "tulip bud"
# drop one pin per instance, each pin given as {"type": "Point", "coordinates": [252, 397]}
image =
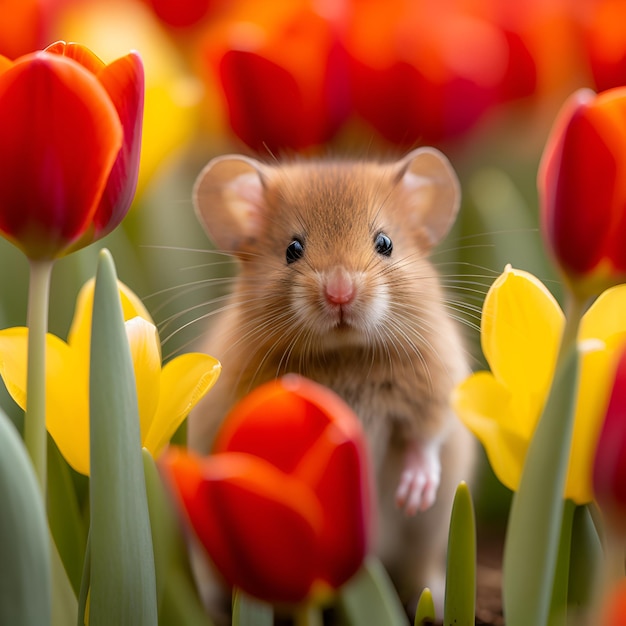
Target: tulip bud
{"type": "Point", "coordinates": [69, 147]}
{"type": "Point", "coordinates": [583, 192]}
{"type": "Point", "coordinates": [282, 504]}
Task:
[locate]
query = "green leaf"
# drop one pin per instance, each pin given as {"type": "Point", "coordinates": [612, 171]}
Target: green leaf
{"type": "Point", "coordinates": [585, 563]}
{"type": "Point", "coordinates": [64, 605]}
{"type": "Point", "coordinates": [178, 599]}
{"type": "Point", "coordinates": [533, 534]}
{"type": "Point", "coordinates": [370, 598]}
{"type": "Point", "coordinates": [248, 611]}
{"type": "Point", "coordinates": [460, 596]}
{"type": "Point", "coordinates": [425, 613]}
{"type": "Point", "coordinates": [25, 581]}
{"type": "Point", "coordinates": [123, 585]}
{"type": "Point", "coordinates": [64, 516]}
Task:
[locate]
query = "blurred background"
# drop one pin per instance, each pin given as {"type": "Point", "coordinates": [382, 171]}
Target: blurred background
{"type": "Point", "coordinates": [482, 80]}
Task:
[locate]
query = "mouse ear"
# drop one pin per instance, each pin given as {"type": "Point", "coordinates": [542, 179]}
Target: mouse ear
{"type": "Point", "coordinates": [228, 199]}
{"type": "Point", "coordinates": [433, 190]}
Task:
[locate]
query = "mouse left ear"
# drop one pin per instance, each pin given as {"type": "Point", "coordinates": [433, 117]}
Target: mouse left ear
{"type": "Point", "coordinates": [433, 191]}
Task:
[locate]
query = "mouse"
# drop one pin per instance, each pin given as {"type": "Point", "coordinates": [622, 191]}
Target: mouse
{"type": "Point", "coordinates": [335, 283]}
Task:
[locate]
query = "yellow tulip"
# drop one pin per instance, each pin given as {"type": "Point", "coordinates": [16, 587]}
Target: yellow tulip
{"type": "Point", "coordinates": [165, 394]}
{"type": "Point", "coordinates": [520, 334]}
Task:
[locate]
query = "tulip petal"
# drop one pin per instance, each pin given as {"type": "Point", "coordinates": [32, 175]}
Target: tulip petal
{"type": "Point", "coordinates": [67, 413]}
{"type": "Point", "coordinates": [251, 426]}
{"type": "Point", "coordinates": [334, 468]}
{"type": "Point", "coordinates": [143, 341]}
{"type": "Point", "coordinates": [124, 81]}
{"type": "Point", "coordinates": [264, 538]}
{"type": "Point", "coordinates": [56, 154]}
{"type": "Point", "coordinates": [13, 350]}
{"type": "Point", "coordinates": [184, 382]}
{"type": "Point", "coordinates": [79, 53]}
{"type": "Point", "coordinates": [521, 319]}
{"type": "Point", "coordinates": [486, 408]}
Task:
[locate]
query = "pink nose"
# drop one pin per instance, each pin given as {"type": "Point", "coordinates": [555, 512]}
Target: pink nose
{"type": "Point", "coordinates": [339, 286]}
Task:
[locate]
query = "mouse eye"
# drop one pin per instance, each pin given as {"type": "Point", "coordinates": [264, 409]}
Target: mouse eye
{"type": "Point", "coordinates": [383, 244]}
{"type": "Point", "coordinates": [295, 250]}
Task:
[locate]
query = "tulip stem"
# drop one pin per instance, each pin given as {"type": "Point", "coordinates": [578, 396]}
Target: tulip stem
{"type": "Point", "coordinates": [535, 521]}
{"type": "Point", "coordinates": [35, 418]}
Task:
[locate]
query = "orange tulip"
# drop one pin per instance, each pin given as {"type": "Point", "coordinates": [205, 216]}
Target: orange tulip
{"type": "Point", "coordinates": [69, 147]}
{"type": "Point", "coordinates": [282, 505]}
{"type": "Point", "coordinates": [582, 191]}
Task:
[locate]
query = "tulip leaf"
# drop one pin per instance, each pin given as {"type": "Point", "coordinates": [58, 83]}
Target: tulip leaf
{"type": "Point", "coordinates": [64, 605]}
{"type": "Point", "coordinates": [64, 516]}
{"type": "Point", "coordinates": [248, 611]}
{"type": "Point", "coordinates": [123, 582]}
{"type": "Point", "coordinates": [369, 599]}
{"type": "Point", "coordinates": [460, 597]}
{"type": "Point", "coordinates": [178, 599]}
{"type": "Point", "coordinates": [425, 613]}
{"type": "Point", "coordinates": [533, 534]}
{"type": "Point", "coordinates": [25, 581]}
{"type": "Point", "coordinates": [585, 561]}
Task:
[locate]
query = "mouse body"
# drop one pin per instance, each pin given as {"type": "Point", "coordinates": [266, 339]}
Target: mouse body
{"type": "Point", "coordinates": [335, 284]}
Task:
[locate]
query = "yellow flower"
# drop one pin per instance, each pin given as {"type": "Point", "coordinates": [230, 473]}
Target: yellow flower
{"type": "Point", "coordinates": [521, 329]}
{"type": "Point", "coordinates": [165, 394]}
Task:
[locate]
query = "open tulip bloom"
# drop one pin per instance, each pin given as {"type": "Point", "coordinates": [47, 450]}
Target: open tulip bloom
{"type": "Point", "coordinates": [165, 394]}
{"type": "Point", "coordinates": [282, 504]}
{"type": "Point", "coordinates": [520, 335]}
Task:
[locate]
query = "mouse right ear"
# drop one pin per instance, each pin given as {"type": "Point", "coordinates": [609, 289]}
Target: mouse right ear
{"type": "Point", "coordinates": [228, 199]}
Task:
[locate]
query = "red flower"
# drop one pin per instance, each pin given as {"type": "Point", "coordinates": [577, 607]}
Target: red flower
{"type": "Point", "coordinates": [69, 147]}
{"type": "Point", "coordinates": [582, 188]}
{"type": "Point", "coordinates": [609, 469]}
{"type": "Point", "coordinates": [424, 73]}
{"type": "Point", "coordinates": [281, 74]}
{"type": "Point", "coordinates": [282, 505]}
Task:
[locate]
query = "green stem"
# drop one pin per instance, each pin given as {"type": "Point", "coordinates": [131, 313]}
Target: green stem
{"type": "Point", "coordinates": [535, 523]}
{"type": "Point", "coordinates": [35, 418]}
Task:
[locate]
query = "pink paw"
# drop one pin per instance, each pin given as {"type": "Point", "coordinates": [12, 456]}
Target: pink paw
{"type": "Point", "coordinates": [420, 478]}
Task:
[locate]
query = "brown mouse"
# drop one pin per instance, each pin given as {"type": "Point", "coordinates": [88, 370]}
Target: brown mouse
{"type": "Point", "coordinates": [335, 284]}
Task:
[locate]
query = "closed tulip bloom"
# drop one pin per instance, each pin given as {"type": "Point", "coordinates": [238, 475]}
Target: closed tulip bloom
{"type": "Point", "coordinates": [282, 504]}
{"type": "Point", "coordinates": [582, 188]}
{"type": "Point", "coordinates": [69, 147]}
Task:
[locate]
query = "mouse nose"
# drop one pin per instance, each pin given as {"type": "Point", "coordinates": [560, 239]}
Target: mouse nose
{"type": "Point", "coordinates": [339, 286]}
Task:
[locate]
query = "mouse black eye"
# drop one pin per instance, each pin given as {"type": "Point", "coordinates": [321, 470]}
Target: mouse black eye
{"type": "Point", "coordinates": [383, 244]}
{"type": "Point", "coordinates": [295, 250]}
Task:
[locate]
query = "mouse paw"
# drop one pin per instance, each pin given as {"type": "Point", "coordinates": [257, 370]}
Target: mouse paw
{"type": "Point", "coordinates": [420, 478]}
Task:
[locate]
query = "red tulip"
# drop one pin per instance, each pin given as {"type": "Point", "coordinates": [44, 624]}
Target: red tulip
{"type": "Point", "coordinates": [421, 72]}
{"type": "Point", "coordinates": [609, 469]}
{"type": "Point", "coordinates": [282, 504]}
{"type": "Point", "coordinates": [69, 147]}
{"type": "Point", "coordinates": [280, 72]}
{"type": "Point", "coordinates": [582, 188]}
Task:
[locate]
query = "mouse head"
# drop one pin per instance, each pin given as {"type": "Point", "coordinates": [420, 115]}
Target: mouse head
{"type": "Point", "coordinates": [338, 234]}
